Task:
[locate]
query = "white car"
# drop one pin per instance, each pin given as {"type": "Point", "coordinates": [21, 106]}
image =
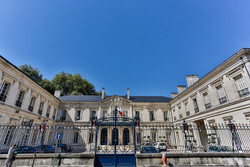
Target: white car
{"type": "Point", "coordinates": [160, 146]}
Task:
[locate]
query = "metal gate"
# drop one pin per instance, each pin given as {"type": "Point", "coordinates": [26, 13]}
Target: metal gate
{"type": "Point", "coordinates": [115, 143]}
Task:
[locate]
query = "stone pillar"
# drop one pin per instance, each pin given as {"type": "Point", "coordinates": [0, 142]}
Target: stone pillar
{"type": "Point", "coordinates": [45, 107]}
{"type": "Point", "coordinates": [26, 100]}
{"type": "Point", "coordinates": [37, 104]}
{"type": "Point", "coordinates": [1, 77]}
{"type": "Point", "coordinates": [230, 88]}
{"type": "Point", "coordinates": [99, 112]}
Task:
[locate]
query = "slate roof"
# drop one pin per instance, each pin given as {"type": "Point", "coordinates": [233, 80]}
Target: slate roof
{"type": "Point", "coordinates": [95, 98]}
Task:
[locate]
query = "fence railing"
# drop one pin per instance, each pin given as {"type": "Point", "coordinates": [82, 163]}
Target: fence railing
{"type": "Point", "coordinates": [196, 137]}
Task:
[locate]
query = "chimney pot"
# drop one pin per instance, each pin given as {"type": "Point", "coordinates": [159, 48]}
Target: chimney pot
{"type": "Point", "coordinates": [127, 93]}
{"type": "Point", "coordinates": [191, 79]}
{"type": "Point", "coordinates": [103, 94]}
{"type": "Point", "coordinates": [57, 93]}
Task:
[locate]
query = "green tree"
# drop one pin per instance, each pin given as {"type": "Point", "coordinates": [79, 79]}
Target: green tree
{"type": "Point", "coordinates": [46, 84]}
{"type": "Point", "coordinates": [33, 73]}
{"type": "Point", "coordinates": [73, 84]}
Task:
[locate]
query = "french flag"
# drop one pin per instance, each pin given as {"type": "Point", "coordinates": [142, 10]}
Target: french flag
{"type": "Point", "coordinates": [117, 109]}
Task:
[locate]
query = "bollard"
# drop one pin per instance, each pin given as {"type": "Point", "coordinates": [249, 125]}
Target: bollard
{"type": "Point", "coordinates": [164, 159]}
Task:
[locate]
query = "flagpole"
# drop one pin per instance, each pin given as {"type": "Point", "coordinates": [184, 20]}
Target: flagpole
{"type": "Point", "coordinates": [115, 135]}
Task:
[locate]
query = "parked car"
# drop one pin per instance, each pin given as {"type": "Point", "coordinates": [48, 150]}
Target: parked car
{"type": "Point", "coordinates": [149, 149]}
{"type": "Point", "coordinates": [65, 148]}
{"type": "Point", "coordinates": [45, 149]}
{"type": "Point", "coordinates": [160, 146]}
{"type": "Point", "coordinates": [218, 149]}
{"type": "Point", "coordinates": [25, 149]}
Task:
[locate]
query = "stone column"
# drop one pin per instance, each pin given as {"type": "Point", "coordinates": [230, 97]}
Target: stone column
{"type": "Point", "coordinates": [37, 104]}
{"type": "Point", "coordinates": [26, 100]}
{"type": "Point", "coordinates": [12, 95]}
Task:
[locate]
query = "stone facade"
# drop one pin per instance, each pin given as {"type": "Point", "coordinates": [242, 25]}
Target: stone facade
{"type": "Point", "coordinates": [220, 96]}
{"type": "Point", "coordinates": [22, 100]}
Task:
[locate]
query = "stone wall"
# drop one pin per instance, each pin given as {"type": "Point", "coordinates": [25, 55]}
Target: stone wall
{"type": "Point", "coordinates": [45, 160]}
{"type": "Point", "coordinates": [195, 159]}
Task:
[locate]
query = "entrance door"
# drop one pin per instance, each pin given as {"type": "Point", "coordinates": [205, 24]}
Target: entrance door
{"type": "Point", "coordinates": [125, 136]}
{"type": "Point", "coordinates": [202, 132]}
{"type": "Point", "coordinates": [104, 136]}
{"type": "Point", "coordinates": [113, 136]}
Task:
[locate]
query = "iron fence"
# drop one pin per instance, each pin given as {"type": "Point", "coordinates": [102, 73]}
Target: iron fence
{"type": "Point", "coordinates": [198, 137]}
{"type": "Point", "coordinates": [81, 137]}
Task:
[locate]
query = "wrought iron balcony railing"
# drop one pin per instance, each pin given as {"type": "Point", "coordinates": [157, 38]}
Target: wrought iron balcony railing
{"type": "Point", "coordinates": [30, 108]}
{"type": "Point", "coordinates": [196, 109]}
{"type": "Point", "coordinates": [181, 116]}
{"type": "Point", "coordinates": [18, 103]}
{"type": "Point", "coordinates": [166, 119]}
{"type": "Point", "coordinates": [2, 97]}
{"type": "Point", "coordinates": [223, 100]}
{"type": "Point", "coordinates": [208, 105]}
{"type": "Point", "coordinates": [188, 113]}
{"type": "Point", "coordinates": [40, 112]}
{"type": "Point", "coordinates": [243, 92]}
{"type": "Point", "coordinates": [53, 117]}
{"type": "Point", "coordinates": [77, 118]}
{"type": "Point", "coordinates": [47, 114]}
{"type": "Point", "coordinates": [175, 118]}
{"type": "Point", "coordinates": [62, 118]}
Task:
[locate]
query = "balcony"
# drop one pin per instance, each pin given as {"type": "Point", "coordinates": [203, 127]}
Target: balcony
{"type": "Point", "coordinates": [166, 119]}
{"type": "Point", "coordinates": [175, 118]}
{"type": "Point", "coordinates": [181, 116]}
{"type": "Point", "coordinates": [152, 119]}
{"type": "Point", "coordinates": [62, 118]}
{"type": "Point", "coordinates": [30, 108]}
{"type": "Point", "coordinates": [137, 118]}
{"type": "Point", "coordinates": [208, 105]}
{"type": "Point", "coordinates": [40, 112]}
{"type": "Point", "coordinates": [243, 92]}
{"type": "Point", "coordinates": [93, 118]}
{"type": "Point", "coordinates": [188, 113]}
{"type": "Point", "coordinates": [53, 117]}
{"type": "Point", "coordinates": [2, 97]}
{"type": "Point", "coordinates": [47, 115]}
{"type": "Point", "coordinates": [77, 118]}
{"type": "Point", "coordinates": [223, 100]}
{"type": "Point", "coordinates": [196, 109]}
{"type": "Point", "coordinates": [18, 103]}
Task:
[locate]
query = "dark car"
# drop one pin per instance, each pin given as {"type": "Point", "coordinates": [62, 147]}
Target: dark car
{"type": "Point", "coordinates": [219, 149]}
{"type": "Point", "coordinates": [45, 149]}
{"type": "Point", "coordinates": [4, 151]}
{"type": "Point", "coordinates": [64, 148]}
{"type": "Point", "coordinates": [149, 149]}
{"type": "Point", "coordinates": [25, 149]}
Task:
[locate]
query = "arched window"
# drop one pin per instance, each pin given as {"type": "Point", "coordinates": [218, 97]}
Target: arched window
{"type": "Point", "coordinates": [104, 136]}
{"type": "Point", "coordinates": [125, 136]}
{"type": "Point", "coordinates": [113, 136]}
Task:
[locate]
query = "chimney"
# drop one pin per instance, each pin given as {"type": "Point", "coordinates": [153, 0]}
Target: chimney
{"type": "Point", "coordinates": [103, 94]}
{"type": "Point", "coordinates": [181, 88]}
{"type": "Point", "coordinates": [191, 79]}
{"type": "Point", "coordinates": [127, 93]}
{"type": "Point", "coordinates": [57, 93]}
{"type": "Point", "coordinates": [173, 95]}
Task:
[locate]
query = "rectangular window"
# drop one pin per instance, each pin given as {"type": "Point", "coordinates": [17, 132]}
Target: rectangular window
{"type": "Point", "coordinates": [63, 116]}
{"type": "Point", "coordinates": [54, 113]}
{"type": "Point", "coordinates": [20, 99]}
{"type": "Point", "coordinates": [242, 87]}
{"type": "Point", "coordinates": [222, 94]}
{"type": "Point", "coordinates": [137, 114]}
{"type": "Point", "coordinates": [138, 138]}
{"type": "Point", "coordinates": [48, 111]}
{"type": "Point", "coordinates": [92, 115]}
{"type": "Point", "coordinates": [196, 108]}
{"type": "Point", "coordinates": [151, 116]}
{"type": "Point", "coordinates": [165, 115]}
{"type": "Point", "coordinates": [91, 136]}
{"type": "Point", "coordinates": [4, 91]}
{"type": "Point", "coordinates": [40, 110]}
{"type": "Point", "coordinates": [207, 101]}
{"type": "Point", "coordinates": [32, 103]}
{"type": "Point", "coordinates": [78, 114]}
{"type": "Point", "coordinates": [75, 137]}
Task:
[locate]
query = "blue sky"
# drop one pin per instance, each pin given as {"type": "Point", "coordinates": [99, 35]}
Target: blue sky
{"type": "Point", "coordinates": [146, 45]}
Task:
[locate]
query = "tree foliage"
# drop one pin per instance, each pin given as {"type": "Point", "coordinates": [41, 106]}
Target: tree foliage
{"type": "Point", "coordinates": [69, 84]}
{"type": "Point", "coordinates": [33, 73]}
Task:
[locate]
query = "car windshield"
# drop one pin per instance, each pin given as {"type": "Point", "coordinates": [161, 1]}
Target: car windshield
{"type": "Point", "coordinates": [162, 144]}
{"type": "Point", "coordinates": [149, 148]}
